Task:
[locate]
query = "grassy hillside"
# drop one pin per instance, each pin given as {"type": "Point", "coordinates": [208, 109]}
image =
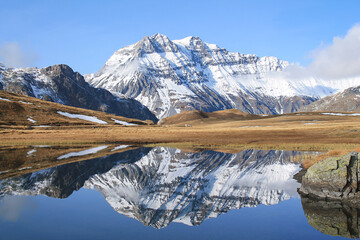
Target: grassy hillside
{"type": "Point", "coordinates": [199, 117]}
{"type": "Point", "coordinates": [17, 111]}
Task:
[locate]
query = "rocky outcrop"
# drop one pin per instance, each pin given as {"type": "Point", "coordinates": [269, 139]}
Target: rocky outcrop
{"type": "Point", "coordinates": [335, 178]}
{"type": "Point", "coordinates": [332, 218]}
{"type": "Point", "coordinates": [59, 83]}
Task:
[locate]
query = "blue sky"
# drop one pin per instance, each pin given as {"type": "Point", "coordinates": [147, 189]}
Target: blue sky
{"type": "Point", "coordinates": [84, 34]}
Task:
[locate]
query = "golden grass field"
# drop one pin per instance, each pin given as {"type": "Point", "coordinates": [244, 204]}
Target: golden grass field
{"type": "Point", "coordinates": [281, 132]}
{"type": "Point", "coordinates": [229, 130]}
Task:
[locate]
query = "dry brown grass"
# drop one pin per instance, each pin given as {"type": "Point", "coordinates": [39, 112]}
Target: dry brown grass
{"type": "Point", "coordinates": [332, 153]}
{"type": "Point", "coordinates": [305, 131]}
{"type": "Point", "coordinates": [196, 117]}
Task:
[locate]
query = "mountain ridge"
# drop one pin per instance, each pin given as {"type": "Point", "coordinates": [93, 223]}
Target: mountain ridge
{"type": "Point", "coordinates": [347, 101]}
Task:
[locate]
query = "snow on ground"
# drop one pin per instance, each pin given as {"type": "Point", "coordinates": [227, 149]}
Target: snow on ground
{"type": "Point", "coordinates": [25, 102]}
{"type": "Point", "coordinates": [42, 126]}
{"type": "Point", "coordinates": [120, 147]}
{"type": "Point", "coordinates": [83, 117]}
{"type": "Point", "coordinates": [124, 123]}
{"type": "Point", "coordinates": [4, 99]}
{"type": "Point", "coordinates": [82, 153]}
{"type": "Point", "coordinates": [31, 120]}
{"type": "Point", "coordinates": [342, 114]}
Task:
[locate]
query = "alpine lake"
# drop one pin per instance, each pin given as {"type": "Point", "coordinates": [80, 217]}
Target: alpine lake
{"type": "Point", "coordinates": [128, 192]}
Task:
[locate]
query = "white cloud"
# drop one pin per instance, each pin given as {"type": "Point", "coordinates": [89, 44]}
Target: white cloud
{"type": "Point", "coordinates": [339, 60]}
{"type": "Point", "coordinates": [13, 55]}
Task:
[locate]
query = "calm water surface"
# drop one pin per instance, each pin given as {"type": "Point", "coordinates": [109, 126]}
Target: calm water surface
{"type": "Point", "coordinates": [165, 193]}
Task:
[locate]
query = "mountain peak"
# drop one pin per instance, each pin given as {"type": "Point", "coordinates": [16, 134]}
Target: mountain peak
{"type": "Point", "coordinates": [195, 43]}
{"type": "Point", "coordinates": [156, 43]}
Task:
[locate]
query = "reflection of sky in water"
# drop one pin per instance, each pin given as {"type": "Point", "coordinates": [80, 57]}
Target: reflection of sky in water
{"type": "Point", "coordinates": [86, 215]}
{"type": "Point", "coordinates": [12, 207]}
{"type": "Point", "coordinates": [163, 188]}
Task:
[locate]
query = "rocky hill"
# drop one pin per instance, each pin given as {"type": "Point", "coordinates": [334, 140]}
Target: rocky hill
{"type": "Point", "coordinates": [19, 110]}
{"type": "Point", "coordinates": [345, 101]}
{"type": "Point", "coordinates": [60, 84]}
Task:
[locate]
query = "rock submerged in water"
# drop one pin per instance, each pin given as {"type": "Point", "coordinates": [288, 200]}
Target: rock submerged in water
{"type": "Point", "coordinates": [335, 178]}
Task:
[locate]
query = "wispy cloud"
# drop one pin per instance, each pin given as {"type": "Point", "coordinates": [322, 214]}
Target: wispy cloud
{"type": "Point", "coordinates": [14, 55]}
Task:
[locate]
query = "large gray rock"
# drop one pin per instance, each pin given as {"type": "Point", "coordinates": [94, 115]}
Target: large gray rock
{"type": "Point", "coordinates": [335, 178]}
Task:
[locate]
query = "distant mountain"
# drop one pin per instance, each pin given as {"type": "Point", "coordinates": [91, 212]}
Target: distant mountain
{"type": "Point", "coordinates": [345, 101]}
{"type": "Point", "coordinates": [59, 83]}
{"type": "Point", "coordinates": [170, 77]}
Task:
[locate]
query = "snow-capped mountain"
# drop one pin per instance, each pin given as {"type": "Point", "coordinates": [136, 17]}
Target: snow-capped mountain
{"type": "Point", "coordinates": [173, 76]}
{"type": "Point", "coordinates": [59, 83]}
{"type": "Point", "coordinates": [166, 185]}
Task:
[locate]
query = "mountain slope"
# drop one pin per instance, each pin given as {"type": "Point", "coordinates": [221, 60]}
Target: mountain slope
{"type": "Point", "coordinates": [345, 101]}
{"type": "Point", "coordinates": [28, 111]}
{"type": "Point", "coordinates": [170, 77]}
{"type": "Point", "coordinates": [59, 83]}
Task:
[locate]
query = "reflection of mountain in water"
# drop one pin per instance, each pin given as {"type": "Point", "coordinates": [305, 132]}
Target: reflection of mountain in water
{"type": "Point", "coordinates": [61, 181]}
{"type": "Point", "coordinates": [332, 218]}
{"type": "Point", "coordinates": [164, 185]}
{"type": "Point", "coordinates": [169, 185]}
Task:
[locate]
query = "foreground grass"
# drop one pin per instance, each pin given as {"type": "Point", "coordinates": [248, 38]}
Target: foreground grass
{"type": "Point", "coordinates": [283, 133]}
{"type": "Point", "coordinates": [332, 153]}
{"type": "Point", "coordinates": [229, 130]}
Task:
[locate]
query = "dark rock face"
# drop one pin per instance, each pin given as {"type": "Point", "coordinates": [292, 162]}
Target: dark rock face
{"type": "Point", "coordinates": [335, 178]}
{"type": "Point", "coordinates": [59, 83]}
{"type": "Point", "coordinates": [332, 218]}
